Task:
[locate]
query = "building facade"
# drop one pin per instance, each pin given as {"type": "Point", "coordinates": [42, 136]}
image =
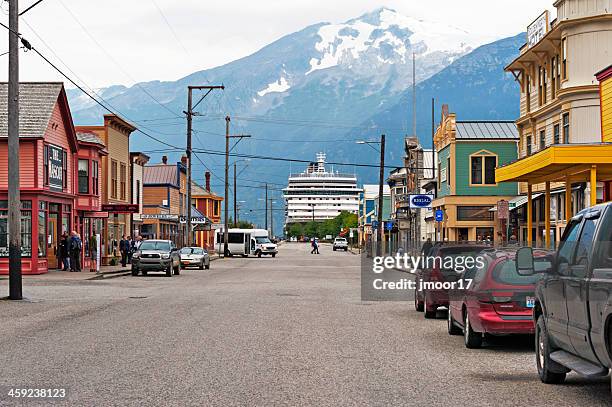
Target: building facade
{"type": "Point", "coordinates": [468, 153]}
{"type": "Point", "coordinates": [368, 210]}
{"type": "Point", "coordinates": [137, 163]}
{"type": "Point", "coordinates": [561, 163]}
{"type": "Point", "coordinates": [319, 194]}
{"type": "Point", "coordinates": [208, 204]}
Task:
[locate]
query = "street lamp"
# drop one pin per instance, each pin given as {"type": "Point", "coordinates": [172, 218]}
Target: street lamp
{"type": "Point", "coordinates": [379, 230]}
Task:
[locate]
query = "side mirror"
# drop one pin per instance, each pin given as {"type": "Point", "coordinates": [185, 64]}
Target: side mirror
{"type": "Point", "coordinates": [524, 261]}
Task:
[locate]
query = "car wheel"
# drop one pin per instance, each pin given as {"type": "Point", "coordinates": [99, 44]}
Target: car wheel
{"type": "Point", "coordinates": [202, 265]}
{"type": "Point", "coordinates": [418, 305]}
{"type": "Point", "coordinates": [177, 270]}
{"type": "Point", "coordinates": [169, 271]}
{"type": "Point", "coordinates": [258, 254]}
{"type": "Point", "coordinates": [334, 249]}
{"type": "Point", "coordinates": [346, 249]}
{"type": "Point", "coordinates": [134, 271]}
{"type": "Point", "coordinates": [273, 254]}
{"type": "Point", "coordinates": [144, 272]}
{"type": "Point", "coordinates": [472, 339]}
{"type": "Point", "coordinates": [430, 312]}
{"type": "Point", "coordinates": [543, 360]}
{"type": "Point", "coordinates": [453, 329]}
{"type": "Point", "coordinates": [207, 266]}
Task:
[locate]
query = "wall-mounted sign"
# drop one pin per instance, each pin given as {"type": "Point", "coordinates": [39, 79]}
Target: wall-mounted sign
{"type": "Point", "coordinates": [55, 161]}
{"type": "Point", "coordinates": [538, 29]}
{"type": "Point", "coordinates": [120, 208]}
{"type": "Point", "coordinates": [439, 215]}
{"type": "Point", "coordinates": [503, 209]}
{"type": "Point", "coordinates": [443, 174]}
{"type": "Point", "coordinates": [195, 220]}
{"type": "Point", "coordinates": [421, 201]}
{"type": "Point", "coordinates": [161, 216]}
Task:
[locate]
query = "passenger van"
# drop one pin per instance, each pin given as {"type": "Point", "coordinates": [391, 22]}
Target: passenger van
{"type": "Point", "coordinates": [245, 242]}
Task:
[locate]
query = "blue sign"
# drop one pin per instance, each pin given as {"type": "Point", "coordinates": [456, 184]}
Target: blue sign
{"type": "Point", "coordinates": [421, 201]}
{"type": "Point", "coordinates": [388, 225]}
{"type": "Point", "coordinates": [374, 224]}
{"type": "Point", "coordinates": [439, 215]}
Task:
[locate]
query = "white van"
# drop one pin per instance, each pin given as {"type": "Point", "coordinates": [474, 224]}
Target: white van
{"type": "Point", "coordinates": [245, 242]}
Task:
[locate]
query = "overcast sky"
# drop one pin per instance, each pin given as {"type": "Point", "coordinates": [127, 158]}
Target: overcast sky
{"type": "Point", "coordinates": [168, 39]}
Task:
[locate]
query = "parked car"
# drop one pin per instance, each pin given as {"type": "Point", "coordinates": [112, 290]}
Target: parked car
{"type": "Point", "coordinates": [340, 243]}
{"type": "Point", "coordinates": [156, 255]}
{"type": "Point", "coordinates": [195, 256]}
{"type": "Point", "coordinates": [572, 311]}
{"type": "Point", "coordinates": [429, 300]}
{"type": "Point", "coordinates": [499, 301]}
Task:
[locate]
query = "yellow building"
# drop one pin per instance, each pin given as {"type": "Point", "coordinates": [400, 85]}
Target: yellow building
{"type": "Point", "coordinates": [561, 154]}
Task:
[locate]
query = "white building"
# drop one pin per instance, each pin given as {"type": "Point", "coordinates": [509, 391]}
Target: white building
{"type": "Point", "coordinates": [318, 194]}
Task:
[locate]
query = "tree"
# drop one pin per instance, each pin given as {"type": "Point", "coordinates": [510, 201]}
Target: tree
{"type": "Point", "coordinates": [295, 230]}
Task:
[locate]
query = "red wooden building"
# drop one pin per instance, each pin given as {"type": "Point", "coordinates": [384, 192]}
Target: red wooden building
{"type": "Point", "coordinates": [50, 158]}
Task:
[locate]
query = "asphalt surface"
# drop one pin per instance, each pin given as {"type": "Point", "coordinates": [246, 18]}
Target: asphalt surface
{"type": "Point", "coordinates": [285, 331]}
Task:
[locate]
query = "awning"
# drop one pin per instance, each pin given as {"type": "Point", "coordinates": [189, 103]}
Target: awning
{"type": "Point", "coordinates": [560, 163]}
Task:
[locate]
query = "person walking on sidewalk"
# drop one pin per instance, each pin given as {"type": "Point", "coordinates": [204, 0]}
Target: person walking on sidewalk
{"type": "Point", "coordinates": [313, 244]}
{"type": "Point", "coordinates": [124, 247]}
{"type": "Point", "coordinates": [76, 247]}
{"type": "Point", "coordinates": [93, 251]}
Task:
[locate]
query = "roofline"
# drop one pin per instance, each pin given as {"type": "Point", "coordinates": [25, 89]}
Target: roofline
{"type": "Point", "coordinates": [604, 73]}
{"type": "Point", "coordinates": [486, 121]}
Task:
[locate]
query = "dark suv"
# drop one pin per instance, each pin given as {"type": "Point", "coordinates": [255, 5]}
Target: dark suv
{"type": "Point", "coordinates": [156, 255]}
{"type": "Point", "coordinates": [573, 307]}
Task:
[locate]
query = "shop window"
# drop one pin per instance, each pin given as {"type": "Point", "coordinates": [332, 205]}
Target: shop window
{"type": "Point", "coordinates": [483, 169]}
{"type": "Point", "coordinates": [476, 213]}
{"type": "Point", "coordinates": [95, 180]}
{"type": "Point", "coordinates": [26, 229]}
{"type": "Point", "coordinates": [123, 180]}
{"type": "Point", "coordinates": [566, 128]}
{"type": "Point", "coordinates": [113, 193]}
{"type": "Point", "coordinates": [42, 230]}
{"type": "Point", "coordinates": [556, 134]}
{"type": "Point", "coordinates": [83, 176]}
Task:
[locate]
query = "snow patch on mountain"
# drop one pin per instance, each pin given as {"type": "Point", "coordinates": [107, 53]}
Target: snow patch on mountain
{"type": "Point", "coordinates": [278, 86]}
{"type": "Point", "coordinates": [393, 36]}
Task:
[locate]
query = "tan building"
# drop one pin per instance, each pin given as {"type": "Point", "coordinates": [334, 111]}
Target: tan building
{"type": "Point", "coordinates": [137, 163]}
{"type": "Point", "coordinates": [559, 119]}
{"type": "Point", "coordinates": [115, 181]}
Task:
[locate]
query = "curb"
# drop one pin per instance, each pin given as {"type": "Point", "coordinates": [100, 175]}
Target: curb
{"type": "Point", "coordinates": [112, 274]}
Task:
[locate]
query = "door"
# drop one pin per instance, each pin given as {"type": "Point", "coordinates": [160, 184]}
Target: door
{"type": "Point", "coordinates": [247, 243]}
{"type": "Point", "coordinates": [576, 286]}
{"type": "Point", "coordinates": [555, 300]}
{"type": "Point", "coordinates": [53, 240]}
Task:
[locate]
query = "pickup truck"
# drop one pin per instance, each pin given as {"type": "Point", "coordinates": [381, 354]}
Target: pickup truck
{"type": "Point", "coordinates": [573, 305]}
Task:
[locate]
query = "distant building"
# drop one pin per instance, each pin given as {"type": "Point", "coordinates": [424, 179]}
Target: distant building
{"type": "Point", "coordinates": [318, 194]}
{"type": "Point", "coordinates": [368, 209]}
{"type": "Point", "coordinates": [209, 204]}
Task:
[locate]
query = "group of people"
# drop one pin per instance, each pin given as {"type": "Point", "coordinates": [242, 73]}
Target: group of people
{"type": "Point", "coordinates": [127, 247]}
{"type": "Point", "coordinates": [70, 248]}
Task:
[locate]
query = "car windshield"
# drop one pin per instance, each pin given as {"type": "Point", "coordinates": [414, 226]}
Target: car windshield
{"type": "Point", "coordinates": [148, 245]}
{"type": "Point", "coordinates": [342, 240]}
{"type": "Point", "coordinates": [262, 239]}
{"type": "Point", "coordinates": [505, 272]}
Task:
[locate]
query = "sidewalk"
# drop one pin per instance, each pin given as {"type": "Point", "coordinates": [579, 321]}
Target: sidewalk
{"type": "Point", "coordinates": [105, 272]}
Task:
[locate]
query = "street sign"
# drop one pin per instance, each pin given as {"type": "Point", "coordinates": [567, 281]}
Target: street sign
{"type": "Point", "coordinates": [374, 224]}
{"type": "Point", "coordinates": [439, 215]}
{"type": "Point", "coordinates": [162, 216]}
{"type": "Point", "coordinates": [388, 225]}
{"type": "Point", "coordinates": [503, 209]}
{"type": "Point", "coordinates": [421, 201]}
{"type": "Point", "coordinates": [195, 220]}
{"type": "Point", "coordinates": [351, 234]}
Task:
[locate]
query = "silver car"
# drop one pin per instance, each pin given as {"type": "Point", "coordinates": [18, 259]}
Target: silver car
{"type": "Point", "coordinates": [195, 257]}
{"type": "Point", "coordinates": [156, 255]}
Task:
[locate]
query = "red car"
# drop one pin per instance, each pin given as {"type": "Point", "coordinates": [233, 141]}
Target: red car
{"type": "Point", "coordinates": [498, 301]}
{"type": "Point", "coordinates": [430, 299]}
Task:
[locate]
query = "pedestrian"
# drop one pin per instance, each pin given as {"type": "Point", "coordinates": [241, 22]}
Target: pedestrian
{"type": "Point", "coordinates": [312, 244]}
{"type": "Point", "coordinates": [316, 245]}
{"type": "Point", "coordinates": [64, 252]}
{"type": "Point", "coordinates": [76, 247]}
{"type": "Point", "coordinates": [124, 247]}
{"type": "Point", "coordinates": [138, 242]}
{"type": "Point", "coordinates": [93, 251]}
{"type": "Point", "coordinates": [426, 247]}
{"type": "Point", "coordinates": [132, 248]}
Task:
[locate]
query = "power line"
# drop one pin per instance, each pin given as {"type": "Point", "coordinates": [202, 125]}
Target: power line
{"type": "Point", "coordinates": [170, 28]}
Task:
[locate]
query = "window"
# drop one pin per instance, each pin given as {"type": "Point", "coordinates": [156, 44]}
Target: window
{"type": "Point", "coordinates": [564, 58]}
{"type": "Point", "coordinates": [123, 182]}
{"type": "Point", "coordinates": [556, 134]}
{"type": "Point", "coordinates": [113, 193]}
{"type": "Point", "coordinates": [528, 93]}
{"type": "Point", "coordinates": [42, 229]}
{"type": "Point", "coordinates": [483, 169]}
{"type": "Point", "coordinates": [542, 139]}
{"type": "Point", "coordinates": [474, 213]}
{"type": "Point", "coordinates": [46, 164]}
{"type": "Point", "coordinates": [448, 171]}
{"type": "Point", "coordinates": [83, 176]}
{"type": "Point", "coordinates": [566, 128]}
{"type": "Point", "coordinates": [95, 173]}
{"type": "Point", "coordinates": [528, 141]}
{"type": "Point", "coordinates": [542, 85]}
{"type": "Point", "coordinates": [26, 229]}
{"type": "Point", "coordinates": [137, 192]}
{"type": "Point", "coordinates": [65, 169]}
{"type": "Point", "coordinates": [568, 245]}
{"type": "Point", "coordinates": [553, 77]}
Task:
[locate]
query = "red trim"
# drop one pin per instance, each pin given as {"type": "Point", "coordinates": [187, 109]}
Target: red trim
{"type": "Point", "coordinates": [604, 74]}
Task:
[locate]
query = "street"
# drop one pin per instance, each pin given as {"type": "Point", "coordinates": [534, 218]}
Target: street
{"type": "Point", "coordinates": [290, 330]}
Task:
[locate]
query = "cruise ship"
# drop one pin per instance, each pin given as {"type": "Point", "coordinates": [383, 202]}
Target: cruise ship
{"type": "Point", "coordinates": [318, 194]}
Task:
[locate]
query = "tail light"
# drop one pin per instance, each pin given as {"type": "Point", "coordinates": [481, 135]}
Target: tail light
{"type": "Point", "coordinates": [436, 275]}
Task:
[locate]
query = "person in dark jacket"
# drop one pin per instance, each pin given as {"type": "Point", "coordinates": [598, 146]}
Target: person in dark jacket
{"type": "Point", "coordinates": [426, 247]}
{"type": "Point", "coordinates": [124, 248]}
{"type": "Point", "coordinates": [63, 252]}
{"type": "Point", "coordinates": [76, 247]}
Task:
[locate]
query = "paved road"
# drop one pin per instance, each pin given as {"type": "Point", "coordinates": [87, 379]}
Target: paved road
{"type": "Point", "coordinates": [290, 330]}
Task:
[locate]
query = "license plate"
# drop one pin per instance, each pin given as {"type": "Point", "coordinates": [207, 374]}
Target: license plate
{"type": "Point", "coordinates": [530, 302]}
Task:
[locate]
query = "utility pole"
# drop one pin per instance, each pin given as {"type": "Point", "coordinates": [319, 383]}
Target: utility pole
{"type": "Point", "coordinates": [271, 217]}
{"type": "Point", "coordinates": [381, 183]}
{"type": "Point", "coordinates": [235, 208]}
{"type": "Point", "coordinates": [227, 151]}
{"type": "Point", "coordinates": [266, 200]}
{"type": "Point", "coordinates": [189, 113]}
{"type": "Point", "coordinates": [414, 98]}
{"type": "Point", "coordinates": [14, 197]}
